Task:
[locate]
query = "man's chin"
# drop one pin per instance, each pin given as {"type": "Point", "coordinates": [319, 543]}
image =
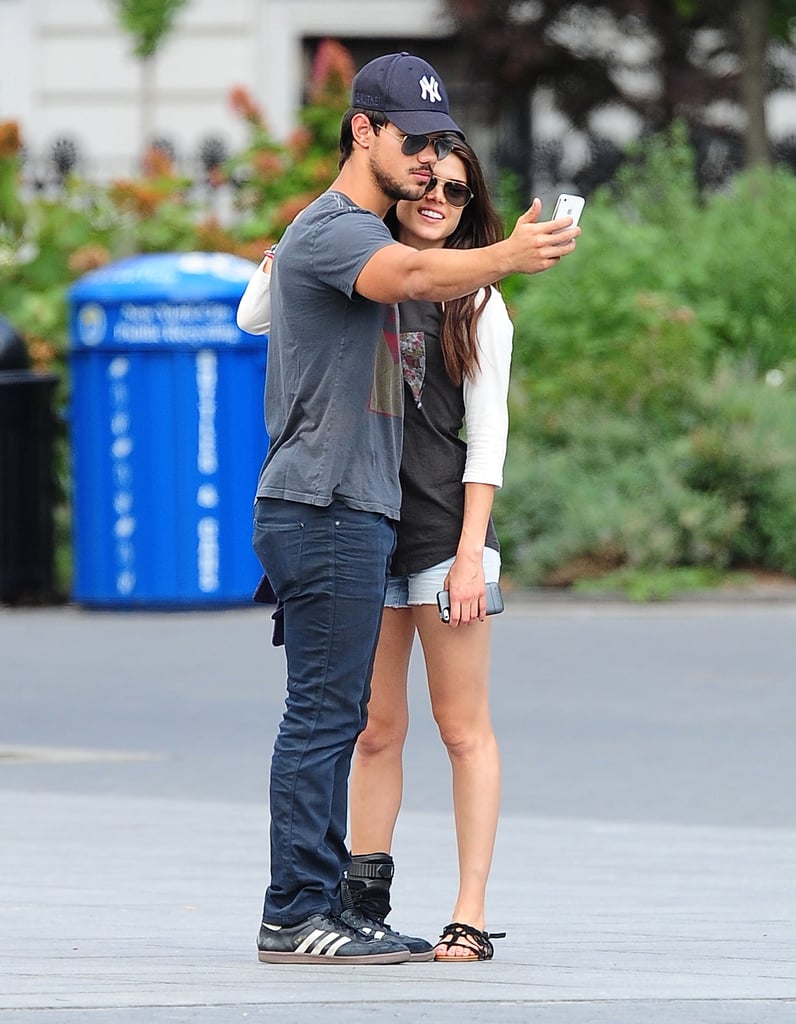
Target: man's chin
{"type": "Point", "coordinates": [411, 193]}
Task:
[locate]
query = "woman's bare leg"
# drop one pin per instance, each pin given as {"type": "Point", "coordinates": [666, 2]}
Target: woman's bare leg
{"type": "Point", "coordinates": [376, 785]}
{"type": "Point", "coordinates": [457, 665]}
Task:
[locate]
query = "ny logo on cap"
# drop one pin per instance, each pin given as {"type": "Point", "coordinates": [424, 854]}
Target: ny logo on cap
{"type": "Point", "coordinates": [429, 89]}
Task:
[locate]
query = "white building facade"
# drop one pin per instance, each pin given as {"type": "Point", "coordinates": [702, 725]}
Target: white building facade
{"type": "Point", "coordinates": [67, 70]}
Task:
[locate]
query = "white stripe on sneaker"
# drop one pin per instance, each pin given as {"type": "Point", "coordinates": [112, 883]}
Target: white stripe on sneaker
{"type": "Point", "coordinates": [317, 941]}
{"type": "Point", "coordinates": [337, 945]}
{"type": "Point", "coordinates": [328, 938]}
{"type": "Point", "coordinates": [309, 941]}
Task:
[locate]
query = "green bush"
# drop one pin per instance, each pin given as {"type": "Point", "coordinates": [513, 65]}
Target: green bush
{"type": "Point", "coordinates": [745, 450]}
{"type": "Point", "coordinates": [605, 502]}
{"type": "Point", "coordinates": [653, 402]}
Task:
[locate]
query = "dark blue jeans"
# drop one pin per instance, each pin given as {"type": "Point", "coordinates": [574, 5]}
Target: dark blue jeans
{"type": "Point", "coordinates": [329, 567]}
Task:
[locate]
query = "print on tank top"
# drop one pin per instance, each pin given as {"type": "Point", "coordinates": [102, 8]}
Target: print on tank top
{"type": "Point", "coordinates": [413, 360]}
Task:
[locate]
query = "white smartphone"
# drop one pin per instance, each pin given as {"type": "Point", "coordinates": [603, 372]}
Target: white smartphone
{"type": "Point", "coordinates": [569, 206]}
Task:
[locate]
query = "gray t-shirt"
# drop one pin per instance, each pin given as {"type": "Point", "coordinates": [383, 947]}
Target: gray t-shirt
{"type": "Point", "coordinates": [334, 388]}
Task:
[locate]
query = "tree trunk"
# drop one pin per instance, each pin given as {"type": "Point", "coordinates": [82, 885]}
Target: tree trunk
{"type": "Point", "coordinates": [754, 17]}
{"type": "Point", "coordinates": [147, 107]}
{"type": "Point", "coordinates": [515, 150]}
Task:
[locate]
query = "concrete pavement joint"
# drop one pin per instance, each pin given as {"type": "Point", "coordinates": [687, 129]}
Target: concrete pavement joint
{"type": "Point", "coordinates": [69, 755]}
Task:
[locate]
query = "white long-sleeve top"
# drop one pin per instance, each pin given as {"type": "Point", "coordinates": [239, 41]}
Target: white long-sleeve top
{"type": "Point", "coordinates": [254, 308]}
{"type": "Point", "coordinates": [486, 414]}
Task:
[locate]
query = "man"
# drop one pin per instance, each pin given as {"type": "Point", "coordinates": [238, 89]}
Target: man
{"type": "Point", "coordinates": [328, 492]}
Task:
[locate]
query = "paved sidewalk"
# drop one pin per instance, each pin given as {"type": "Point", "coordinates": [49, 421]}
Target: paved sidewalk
{"type": "Point", "coordinates": [145, 910]}
{"type": "Point", "coordinates": [123, 908]}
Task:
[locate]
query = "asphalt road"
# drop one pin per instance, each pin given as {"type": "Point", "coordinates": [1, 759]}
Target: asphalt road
{"type": "Point", "coordinates": [681, 713]}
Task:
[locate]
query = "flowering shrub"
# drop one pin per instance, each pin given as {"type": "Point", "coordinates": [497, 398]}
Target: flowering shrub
{"type": "Point", "coordinates": [275, 181]}
{"type": "Point", "coordinates": [46, 244]}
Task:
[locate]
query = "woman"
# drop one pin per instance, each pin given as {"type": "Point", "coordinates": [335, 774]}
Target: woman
{"type": "Point", "coordinates": [456, 372]}
{"type": "Point", "coordinates": [456, 364]}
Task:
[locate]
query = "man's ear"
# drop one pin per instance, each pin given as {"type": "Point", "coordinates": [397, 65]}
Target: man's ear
{"type": "Point", "coordinates": [362, 130]}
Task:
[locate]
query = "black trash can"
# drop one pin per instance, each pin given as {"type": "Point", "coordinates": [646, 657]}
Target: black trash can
{"type": "Point", "coordinates": [27, 488]}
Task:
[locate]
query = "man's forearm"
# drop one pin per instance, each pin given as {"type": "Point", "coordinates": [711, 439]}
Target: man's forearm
{"type": "Point", "coordinates": [398, 272]}
{"type": "Point", "coordinates": [441, 274]}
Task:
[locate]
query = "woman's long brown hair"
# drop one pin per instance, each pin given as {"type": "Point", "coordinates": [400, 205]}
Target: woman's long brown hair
{"type": "Point", "coordinates": [480, 225]}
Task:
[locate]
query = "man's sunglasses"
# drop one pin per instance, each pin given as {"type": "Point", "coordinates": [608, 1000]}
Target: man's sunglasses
{"type": "Point", "coordinates": [455, 192]}
{"type": "Point", "coordinates": [411, 145]}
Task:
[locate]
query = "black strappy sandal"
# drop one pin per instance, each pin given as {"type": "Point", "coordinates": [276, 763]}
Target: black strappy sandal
{"type": "Point", "coordinates": [477, 943]}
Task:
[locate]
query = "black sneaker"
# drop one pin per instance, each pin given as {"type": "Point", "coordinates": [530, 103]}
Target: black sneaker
{"type": "Point", "coordinates": [323, 938]}
{"type": "Point", "coordinates": [375, 928]}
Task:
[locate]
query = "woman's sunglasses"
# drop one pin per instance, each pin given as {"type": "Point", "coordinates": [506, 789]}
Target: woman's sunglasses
{"type": "Point", "coordinates": [411, 145]}
{"type": "Point", "coordinates": [455, 192]}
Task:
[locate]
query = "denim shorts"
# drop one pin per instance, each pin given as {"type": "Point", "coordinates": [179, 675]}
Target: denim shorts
{"type": "Point", "coordinates": [422, 587]}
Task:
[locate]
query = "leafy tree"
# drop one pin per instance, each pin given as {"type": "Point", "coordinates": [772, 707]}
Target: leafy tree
{"type": "Point", "coordinates": [148, 22]}
{"type": "Point", "coordinates": [659, 59]}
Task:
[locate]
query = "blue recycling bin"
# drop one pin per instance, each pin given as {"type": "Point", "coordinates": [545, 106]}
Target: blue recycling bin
{"type": "Point", "coordinates": [167, 432]}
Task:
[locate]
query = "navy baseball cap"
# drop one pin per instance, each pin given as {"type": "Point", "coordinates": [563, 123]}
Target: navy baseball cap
{"type": "Point", "coordinates": [408, 90]}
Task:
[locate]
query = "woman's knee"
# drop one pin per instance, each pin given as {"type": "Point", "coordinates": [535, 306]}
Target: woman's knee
{"type": "Point", "coordinates": [381, 736]}
{"type": "Point", "coordinates": [464, 740]}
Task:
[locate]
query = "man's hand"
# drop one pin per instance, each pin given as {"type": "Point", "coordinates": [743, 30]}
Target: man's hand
{"type": "Point", "coordinates": [396, 273]}
{"type": "Point", "coordinates": [538, 245]}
